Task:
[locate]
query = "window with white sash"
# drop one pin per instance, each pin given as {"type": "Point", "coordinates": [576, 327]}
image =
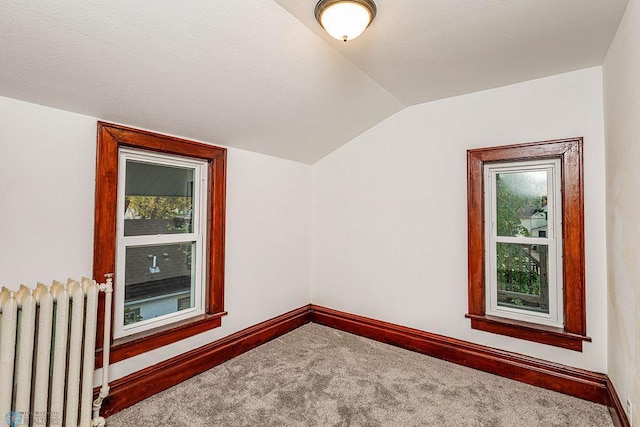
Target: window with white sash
{"type": "Point", "coordinates": [160, 240]}
{"type": "Point", "coordinates": [160, 227]}
{"type": "Point", "coordinates": [523, 241]}
{"type": "Point", "coordinates": [526, 259]}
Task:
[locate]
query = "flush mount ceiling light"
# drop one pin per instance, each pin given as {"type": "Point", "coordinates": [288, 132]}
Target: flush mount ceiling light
{"type": "Point", "coordinates": [345, 19]}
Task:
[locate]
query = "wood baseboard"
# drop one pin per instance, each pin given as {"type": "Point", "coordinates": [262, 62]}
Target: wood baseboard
{"type": "Point", "coordinates": [580, 383]}
{"type": "Point", "coordinates": [140, 385]}
{"type": "Point", "coordinates": [615, 406]}
{"type": "Point", "coordinates": [564, 379]}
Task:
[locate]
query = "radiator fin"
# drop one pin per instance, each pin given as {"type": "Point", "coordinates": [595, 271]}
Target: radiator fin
{"type": "Point", "coordinates": [24, 356]}
{"type": "Point", "coordinates": [9, 307]}
{"type": "Point", "coordinates": [47, 348]}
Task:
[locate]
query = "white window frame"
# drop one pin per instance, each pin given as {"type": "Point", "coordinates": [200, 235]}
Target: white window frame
{"type": "Point", "coordinates": [553, 240]}
{"type": "Point", "coordinates": [197, 236]}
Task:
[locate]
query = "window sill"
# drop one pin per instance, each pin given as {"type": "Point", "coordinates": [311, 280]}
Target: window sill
{"type": "Point", "coordinates": [124, 348]}
{"type": "Point", "coordinates": [557, 337]}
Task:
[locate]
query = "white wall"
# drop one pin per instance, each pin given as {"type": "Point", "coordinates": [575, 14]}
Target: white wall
{"type": "Point", "coordinates": [389, 216]}
{"type": "Point", "coordinates": [47, 182]}
{"type": "Point", "coordinates": [47, 173]}
{"type": "Point", "coordinates": [622, 119]}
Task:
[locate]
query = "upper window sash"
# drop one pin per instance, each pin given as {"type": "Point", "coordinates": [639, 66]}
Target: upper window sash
{"type": "Point", "coordinates": [199, 195]}
{"type": "Point", "coordinates": [554, 203]}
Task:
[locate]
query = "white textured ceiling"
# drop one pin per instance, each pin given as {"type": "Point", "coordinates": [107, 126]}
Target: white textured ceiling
{"type": "Point", "coordinates": [261, 75]}
{"type": "Point", "coordinates": [422, 50]}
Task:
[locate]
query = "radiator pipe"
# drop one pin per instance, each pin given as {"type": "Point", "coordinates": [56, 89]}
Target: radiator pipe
{"type": "Point", "coordinates": [107, 288]}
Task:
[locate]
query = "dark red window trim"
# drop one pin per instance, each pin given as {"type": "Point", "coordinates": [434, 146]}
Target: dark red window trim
{"type": "Point", "coordinates": [110, 138]}
{"type": "Point", "coordinates": [569, 151]}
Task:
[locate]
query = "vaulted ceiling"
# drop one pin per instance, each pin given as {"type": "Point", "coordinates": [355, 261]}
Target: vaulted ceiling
{"type": "Point", "coordinates": [262, 75]}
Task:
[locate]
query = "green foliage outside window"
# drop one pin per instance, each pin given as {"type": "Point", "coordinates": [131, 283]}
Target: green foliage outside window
{"type": "Point", "coordinates": [526, 282]}
{"type": "Point", "coordinates": [158, 207]}
{"type": "Point", "coordinates": [177, 210]}
{"type": "Point", "coordinates": [518, 197]}
{"type": "Point", "coordinates": [509, 204]}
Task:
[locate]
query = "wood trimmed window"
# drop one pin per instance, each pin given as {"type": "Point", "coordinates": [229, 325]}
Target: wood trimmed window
{"type": "Point", "coordinates": [569, 153]}
{"type": "Point", "coordinates": [111, 140]}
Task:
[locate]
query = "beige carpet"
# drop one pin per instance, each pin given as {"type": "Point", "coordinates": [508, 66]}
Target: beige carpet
{"type": "Point", "coordinates": [317, 376]}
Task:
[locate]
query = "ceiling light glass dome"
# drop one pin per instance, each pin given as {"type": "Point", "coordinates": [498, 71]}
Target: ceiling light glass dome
{"type": "Point", "coordinates": [345, 19]}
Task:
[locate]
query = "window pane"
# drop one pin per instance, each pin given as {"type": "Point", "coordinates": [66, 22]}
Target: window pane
{"type": "Point", "coordinates": [159, 280]}
{"type": "Point", "coordinates": [522, 272]}
{"type": "Point", "coordinates": [521, 203]}
{"type": "Point", "coordinates": [158, 199]}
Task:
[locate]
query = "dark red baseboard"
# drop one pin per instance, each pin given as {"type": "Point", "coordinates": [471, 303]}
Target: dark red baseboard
{"type": "Point", "coordinates": [140, 385]}
{"type": "Point", "coordinates": [587, 385]}
{"type": "Point", "coordinates": [564, 379]}
{"type": "Point", "coordinates": [615, 406]}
